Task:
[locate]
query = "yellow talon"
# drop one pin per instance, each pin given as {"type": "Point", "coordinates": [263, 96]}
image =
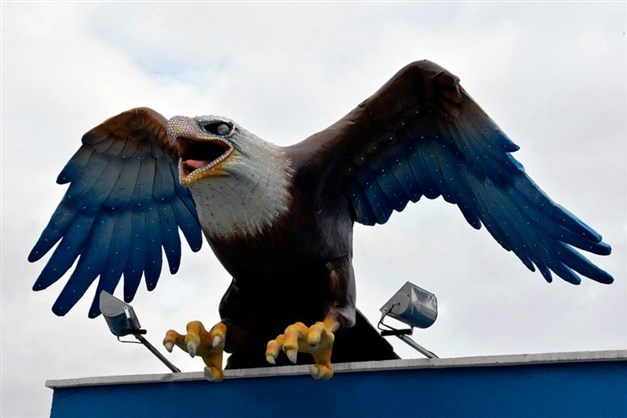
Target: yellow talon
{"type": "Point", "coordinates": [198, 341]}
{"type": "Point", "coordinates": [321, 372]}
{"type": "Point", "coordinates": [316, 340]}
{"type": "Point", "coordinates": [213, 374]}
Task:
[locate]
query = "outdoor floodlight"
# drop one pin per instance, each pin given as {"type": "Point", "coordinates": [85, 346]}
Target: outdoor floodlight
{"type": "Point", "coordinates": [413, 306]}
{"type": "Point", "coordinates": [120, 316]}
{"type": "Point", "coordinates": [122, 321]}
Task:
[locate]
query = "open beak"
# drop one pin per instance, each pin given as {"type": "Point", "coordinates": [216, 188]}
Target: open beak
{"type": "Point", "coordinates": [201, 157]}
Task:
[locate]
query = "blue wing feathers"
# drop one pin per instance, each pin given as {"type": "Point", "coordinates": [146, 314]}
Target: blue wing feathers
{"type": "Point", "coordinates": [556, 213]}
{"type": "Point", "coordinates": [435, 159]}
{"type": "Point", "coordinates": [405, 176]}
{"type": "Point", "coordinates": [66, 252]}
{"type": "Point", "coordinates": [129, 149]}
{"type": "Point", "coordinates": [73, 168]}
{"type": "Point", "coordinates": [185, 196]}
{"type": "Point", "coordinates": [86, 193]}
{"type": "Point", "coordinates": [481, 151]}
{"type": "Point", "coordinates": [137, 255]}
{"type": "Point", "coordinates": [124, 186]}
{"type": "Point", "coordinates": [164, 184]}
{"type": "Point", "coordinates": [565, 272]}
{"type": "Point", "coordinates": [467, 160]}
{"type": "Point", "coordinates": [115, 150]}
{"type": "Point", "coordinates": [581, 264]}
{"type": "Point", "coordinates": [394, 192]}
{"type": "Point", "coordinates": [120, 243]}
{"type": "Point", "coordinates": [156, 151]}
{"type": "Point", "coordinates": [557, 231]}
{"type": "Point", "coordinates": [511, 220]}
{"type": "Point", "coordinates": [530, 236]}
{"type": "Point", "coordinates": [377, 200]}
{"type": "Point", "coordinates": [105, 185]}
{"type": "Point", "coordinates": [81, 186]}
{"type": "Point", "coordinates": [188, 223]}
{"type": "Point", "coordinates": [489, 215]}
{"type": "Point", "coordinates": [108, 282]}
{"type": "Point", "coordinates": [424, 178]}
{"type": "Point", "coordinates": [123, 205]}
{"type": "Point", "coordinates": [116, 258]}
{"type": "Point", "coordinates": [453, 172]}
{"type": "Point", "coordinates": [142, 193]}
{"type": "Point", "coordinates": [90, 264]}
{"type": "Point", "coordinates": [571, 222]}
{"type": "Point", "coordinates": [355, 194]}
{"type": "Point", "coordinates": [388, 184]}
{"type": "Point", "coordinates": [59, 223]}
{"type": "Point", "coordinates": [101, 146]}
{"type": "Point", "coordinates": [170, 237]}
{"type": "Point", "coordinates": [98, 138]}
{"type": "Point", "coordinates": [153, 247]}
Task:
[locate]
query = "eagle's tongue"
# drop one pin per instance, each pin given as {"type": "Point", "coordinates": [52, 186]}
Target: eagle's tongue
{"type": "Point", "coordinates": [191, 165]}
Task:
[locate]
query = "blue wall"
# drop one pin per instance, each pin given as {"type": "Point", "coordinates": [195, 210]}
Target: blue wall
{"type": "Point", "coordinates": [595, 389]}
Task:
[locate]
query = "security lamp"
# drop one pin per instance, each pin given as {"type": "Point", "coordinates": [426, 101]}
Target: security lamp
{"type": "Point", "coordinates": [122, 321]}
{"type": "Point", "coordinates": [120, 316]}
{"type": "Point", "coordinates": [413, 306]}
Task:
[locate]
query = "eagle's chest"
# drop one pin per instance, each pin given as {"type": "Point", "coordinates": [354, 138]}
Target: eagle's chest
{"type": "Point", "coordinates": [242, 205]}
{"type": "Point", "coordinates": [297, 246]}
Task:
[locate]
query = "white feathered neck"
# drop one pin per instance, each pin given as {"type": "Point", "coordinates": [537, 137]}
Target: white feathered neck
{"type": "Point", "coordinates": [253, 194]}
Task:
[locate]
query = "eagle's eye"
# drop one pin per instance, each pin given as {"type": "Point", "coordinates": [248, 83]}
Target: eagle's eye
{"type": "Point", "coordinates": [217, 128]}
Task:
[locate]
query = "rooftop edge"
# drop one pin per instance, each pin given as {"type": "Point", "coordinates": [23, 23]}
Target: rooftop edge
{"type": "Point", "coordinates": [368, 366]}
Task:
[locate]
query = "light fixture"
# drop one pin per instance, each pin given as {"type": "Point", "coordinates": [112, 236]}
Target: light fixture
{"type": "Point", "coordinates": [122, 321]}
{"type": "Point", "coordinates": [413, 306]}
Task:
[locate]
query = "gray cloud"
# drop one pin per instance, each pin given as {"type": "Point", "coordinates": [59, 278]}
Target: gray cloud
{"type": "Point", "coordinates": [552, 76]}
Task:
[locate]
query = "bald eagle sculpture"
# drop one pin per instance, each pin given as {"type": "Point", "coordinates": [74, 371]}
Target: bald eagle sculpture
{"type": "Point", "coordinates": [280, 219]}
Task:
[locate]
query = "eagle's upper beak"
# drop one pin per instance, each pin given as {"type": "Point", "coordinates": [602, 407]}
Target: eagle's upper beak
{"type": "Point", "coordinates": [202, 147]}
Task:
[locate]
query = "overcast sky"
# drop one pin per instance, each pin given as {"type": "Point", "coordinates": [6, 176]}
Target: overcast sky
{"type": "Point", "coordinates": [553, 76]}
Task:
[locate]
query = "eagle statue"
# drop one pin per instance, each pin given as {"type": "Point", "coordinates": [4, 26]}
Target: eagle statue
{"type": "Point", "coordinates": [280, 219]}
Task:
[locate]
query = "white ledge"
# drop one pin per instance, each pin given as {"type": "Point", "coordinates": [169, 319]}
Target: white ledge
{"type": "Point", "coordinates": [368, 366]}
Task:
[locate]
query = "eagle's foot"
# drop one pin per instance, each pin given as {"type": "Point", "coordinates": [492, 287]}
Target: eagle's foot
{"type": "Point", "coordinates": [198, 341]}
{"type": "Point", "coordinates": [316, 340]}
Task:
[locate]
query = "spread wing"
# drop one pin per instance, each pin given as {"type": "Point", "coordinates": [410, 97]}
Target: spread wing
{"type": "Point", "coordinates": [420, 135]}
{"type": "Point", "coordinates": [123, 204]}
